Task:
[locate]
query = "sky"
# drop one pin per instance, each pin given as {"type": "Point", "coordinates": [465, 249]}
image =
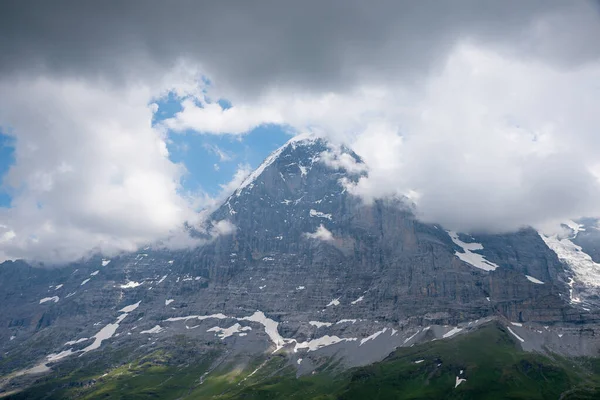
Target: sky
{"type": "Point", "coordinates": [120, 121]}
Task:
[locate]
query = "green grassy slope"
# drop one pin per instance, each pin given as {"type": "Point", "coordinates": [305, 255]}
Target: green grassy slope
{"type": "Point", "coordinates": [492, 363]}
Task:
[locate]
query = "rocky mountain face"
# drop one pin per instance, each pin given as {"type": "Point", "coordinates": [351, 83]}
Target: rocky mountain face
{"type": "Point", "coordinates": [310, 270]}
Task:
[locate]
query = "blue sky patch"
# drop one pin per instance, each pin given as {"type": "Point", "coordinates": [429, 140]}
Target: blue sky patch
{"type": "Point", "coordinates": [212, 160]}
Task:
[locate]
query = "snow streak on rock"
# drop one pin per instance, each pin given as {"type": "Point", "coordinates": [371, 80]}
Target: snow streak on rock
{"type": "Point", "coordinates": [468, 256]}
{"type": "Point", "coordinates": [534, 280]}
{"type": "Point", "coordinates": [46, 299]}
{"type": "Point", "coordinates": [585, 269]}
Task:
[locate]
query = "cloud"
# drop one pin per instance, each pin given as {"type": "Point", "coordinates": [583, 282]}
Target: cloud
{"type": "Point", "coordinates": [210, 118]}
{"type": "Point", "coordinates": [489, 143]}
{"type": "Point", "coordinates": [493, 144]}
{"type": "Point", "coordinates": [250, 48]}
{"type": "Point", "coordinates": [336, 158]}
{"type": "Point", "coordinates": [90, 172]}
{"type": "Point", "coordinates": [206, 231]}
{"type": "Point", "coordinates": [483, 111]}
{"type": "Point", "coordinates": [242, 171]}
{"type": "Point", "coordinates": [321, 233]}
{"type": "Point", "coordinates": [222, 227]}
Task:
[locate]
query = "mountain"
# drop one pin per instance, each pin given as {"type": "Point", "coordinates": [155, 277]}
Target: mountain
{"type": "Point", "coordinates": [310, 279]}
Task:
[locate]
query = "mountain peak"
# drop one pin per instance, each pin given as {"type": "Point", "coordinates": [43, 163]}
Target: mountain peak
{"type": "Point", "coordinates": [292, 163]}
{"type": "Point", "coordinates": [299, 140]}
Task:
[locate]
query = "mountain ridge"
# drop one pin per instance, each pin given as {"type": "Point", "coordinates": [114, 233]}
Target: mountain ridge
{"type": "Point", "coordinates": [381, 279]}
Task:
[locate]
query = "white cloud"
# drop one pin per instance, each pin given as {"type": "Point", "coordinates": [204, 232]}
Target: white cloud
{"type": "Point", "coordinates": [241, 173]}
{"type": "Point", "coordinates": [207, 203]}
{"type": "Point", "coordinates": [321, 233]}
{"type": "Point", "coordinates": [336, 158]}
{"type": "Point", "coordinates": [90, 172]}
{"type": "Point", "coordinates": [210, 118]}
{"type": "Point", "coordinates": [490, 141]}
{"type": "Point", "coordinates": [222, 227]}
{"type": "Point", "coordinates": [484, 137]}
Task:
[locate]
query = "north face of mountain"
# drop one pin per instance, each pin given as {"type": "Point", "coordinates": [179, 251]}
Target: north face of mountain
{"type": "Point", "coordinates": [310, 271]}
{"type": "Point", "coordinates": [380, 253]}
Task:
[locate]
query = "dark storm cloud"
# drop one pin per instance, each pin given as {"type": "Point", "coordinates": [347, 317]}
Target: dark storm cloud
{"type": "Point", "coordinates": [309, 44]}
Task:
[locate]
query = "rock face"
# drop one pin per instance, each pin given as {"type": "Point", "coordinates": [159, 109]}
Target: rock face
{"type": "Point", "coordinates": [316, 260]}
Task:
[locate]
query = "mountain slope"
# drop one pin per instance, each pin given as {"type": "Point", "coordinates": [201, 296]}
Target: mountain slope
{"type": "Point", "coordinates": [485, 364]}
{"type": "Point", "coordinates": [310, 271]}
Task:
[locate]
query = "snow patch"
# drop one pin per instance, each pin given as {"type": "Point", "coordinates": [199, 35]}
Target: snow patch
{"type": "Point", "coordinates": [320, 324]}
{"type": "Point", "coordinates": [130, 308]}
{"type": "Point", "coordinates": [515, 335]}
{"type": "Point", "coordinates": [334, 302]}
{"type": "Point", "coordinates": [198, 317]}
{"type": "Point", "coordinates": [270, 328]}
{"type": "Point", "coordinates": [372, 337]}
{"type": "Point", "coordinates": [319, 214]}
{"type": "Point", "coordinates": [342, 321]}
{"type": "Point", "coordinates": [95, 273]}
{"type": "Point", "coordinates": [156, 329]}
{"type": "Point", "coordinates": [574, 299]}
{"type": "Point", "coordinates": [105, 333]}
{"type": "Point", "coordinates": [419, 361]}
{"type": "Point", "coordinates": [475, 259]}
{"type": "Point", "coordinates": [408, 339]}
{"type": "Point", "coordinates": [72, 342]}
{"type": "Point", "coordinates": [300, 288]}
{"type": "Point", "coordinates": [452, 332]}
{"type": "Point", "coordinates": [58, 356]}
{"type": "Point", "coordinates": [105, 262]}
{"type": "Point", "coordinates": [46, 299]}
{"type": "Point", "coordinates": [168, 301]}
{"type": "Point", "coordinates": [315, 344]}
{"type": "Point", "coordinates": [303, 170]}
{"type": "Point", "coordinates": [85, 281]}
{"type": "Point", "coordinates": [223, 333]}
{"type": "Point", "coordinates": [534, 280]}
{"type": "Point", "coordinates": [58, 286]}
{"type": "Point", "coordinates": [459, 381]}
{"type": "Point", "coordinates": [361, 298]}
{"type": "Point", "coordinates": [130, 285]}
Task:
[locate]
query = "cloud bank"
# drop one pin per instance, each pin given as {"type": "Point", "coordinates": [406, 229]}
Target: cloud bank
{"type": "Point", "coordinates": [91, 172]}
{"type": "Point", "coordinates": [484, 111]}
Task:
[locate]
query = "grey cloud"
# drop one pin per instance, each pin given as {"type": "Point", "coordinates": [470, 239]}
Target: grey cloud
{"type": "Point", "coordinates": [249, 46]}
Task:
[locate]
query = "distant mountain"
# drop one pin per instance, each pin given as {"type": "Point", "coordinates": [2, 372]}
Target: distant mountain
{"type": "Point", "coordinates": [311, 272]}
